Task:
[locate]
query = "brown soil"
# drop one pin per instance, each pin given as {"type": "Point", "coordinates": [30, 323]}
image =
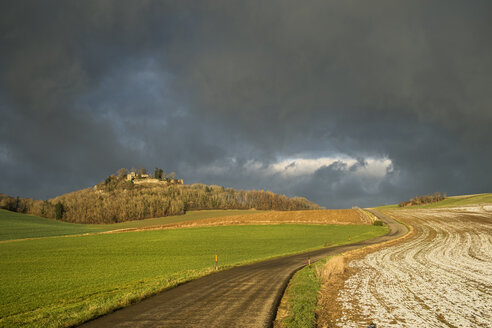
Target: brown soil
{"type": "Point", "coordinates": [343, 216]}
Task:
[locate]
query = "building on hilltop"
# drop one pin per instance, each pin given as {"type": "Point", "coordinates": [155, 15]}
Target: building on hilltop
{"type": "Point", "coordinates": [147, 178]}
{"type": "Point", "coordinates": [130, 176]}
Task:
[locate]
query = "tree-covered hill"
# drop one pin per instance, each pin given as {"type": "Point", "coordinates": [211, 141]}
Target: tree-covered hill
{"type": "Point", "coordinates": [119, 199]}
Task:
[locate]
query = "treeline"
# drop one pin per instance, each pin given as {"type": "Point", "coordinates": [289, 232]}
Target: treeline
{"type": "Point", "coordinates": [42, 208]}
{"type": "Point", "coordinates": [425, 199]}
{"type": "Point", "coordinates": [118, 200]}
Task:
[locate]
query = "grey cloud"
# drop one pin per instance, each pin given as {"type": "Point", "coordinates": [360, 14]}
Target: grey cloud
{"type": "Point", "coordinates": [88, 87]}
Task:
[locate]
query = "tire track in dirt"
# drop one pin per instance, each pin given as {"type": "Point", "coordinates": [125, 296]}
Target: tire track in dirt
{"type": "Point", "coordinates": [440, 278]}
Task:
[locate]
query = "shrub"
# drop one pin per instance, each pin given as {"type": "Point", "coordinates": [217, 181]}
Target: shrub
{"type": "Point", "coordinates": [425, 199]}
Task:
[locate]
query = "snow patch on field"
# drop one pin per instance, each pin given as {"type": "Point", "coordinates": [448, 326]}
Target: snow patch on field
{"type": "Point", "coordinates": [441, 278]}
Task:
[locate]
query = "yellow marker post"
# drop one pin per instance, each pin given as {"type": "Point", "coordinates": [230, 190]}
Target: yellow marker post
{"type": "Point", "coordinates": [309, 262]}
{"type": "Point", "coordinates": [216, 261]}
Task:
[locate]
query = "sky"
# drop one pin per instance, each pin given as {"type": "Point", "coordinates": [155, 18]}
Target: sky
{"type": "Point", "coordinates": [347, 103]}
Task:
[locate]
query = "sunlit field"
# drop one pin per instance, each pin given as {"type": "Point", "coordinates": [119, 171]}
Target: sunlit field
{"type": "Point", "coordinates": [63, 281]}
{"type": "Point", "coordinates": [18, 226]}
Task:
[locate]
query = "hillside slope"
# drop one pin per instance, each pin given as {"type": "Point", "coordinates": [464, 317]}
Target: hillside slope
{"type": "Point", "coordinates": [119, 200]}
{"type": "Point", "coordinates": [15, 226]}
{"type": "Point", "coordinates": [451, 201]}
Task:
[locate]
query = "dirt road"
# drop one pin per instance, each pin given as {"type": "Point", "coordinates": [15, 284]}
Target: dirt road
{"type": "Point", "coordinates": [440, 278]}
{"type": "Point", "coordinates": [244, 296]}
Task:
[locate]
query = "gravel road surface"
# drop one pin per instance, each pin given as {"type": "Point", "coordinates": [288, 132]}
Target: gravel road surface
{"type": "Point", "coordinates": [245, 296]}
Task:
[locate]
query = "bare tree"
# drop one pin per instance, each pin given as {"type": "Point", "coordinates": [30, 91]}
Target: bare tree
{"type": "Point", "coordinates": [122, 173]}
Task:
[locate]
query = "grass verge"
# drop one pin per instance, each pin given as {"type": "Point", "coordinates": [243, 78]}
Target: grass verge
{"type": "Point", "coordinates": [301, 297]}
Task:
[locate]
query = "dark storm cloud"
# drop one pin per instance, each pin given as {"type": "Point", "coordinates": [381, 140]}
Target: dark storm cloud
{"type": "Point", "coordinates": [208, 88]}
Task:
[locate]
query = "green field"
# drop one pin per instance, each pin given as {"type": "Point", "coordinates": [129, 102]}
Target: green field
{"type": "Point", "coordinates": [18, 226]}
{"type": "Point", "coordinates": [478, 199]}
{"type": "Point", "coordinates": [59, 281]}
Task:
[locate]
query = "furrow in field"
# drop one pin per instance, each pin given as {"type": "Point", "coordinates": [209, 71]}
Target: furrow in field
{"type": "Point", "coordinates": [441, 278]}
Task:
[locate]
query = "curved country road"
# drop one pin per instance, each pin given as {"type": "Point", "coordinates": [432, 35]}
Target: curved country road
{"type": "Point", "coordinates": [245, 296]}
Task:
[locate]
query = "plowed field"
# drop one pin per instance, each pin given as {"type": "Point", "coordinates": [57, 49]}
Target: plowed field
{"type": "Point", "coordinates": [440, 278]}
{"type": "Point", "coordinates": [343, 216]}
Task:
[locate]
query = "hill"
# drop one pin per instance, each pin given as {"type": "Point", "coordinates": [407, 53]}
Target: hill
{"type": "Point", "coordinates": [120, 199]}
{"type": "Point", "coordinates": [19, 226]}
{"type": "Point", "coordinates": [463, 200]}
{"type": "Point", "coordinates": [448, 201]}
